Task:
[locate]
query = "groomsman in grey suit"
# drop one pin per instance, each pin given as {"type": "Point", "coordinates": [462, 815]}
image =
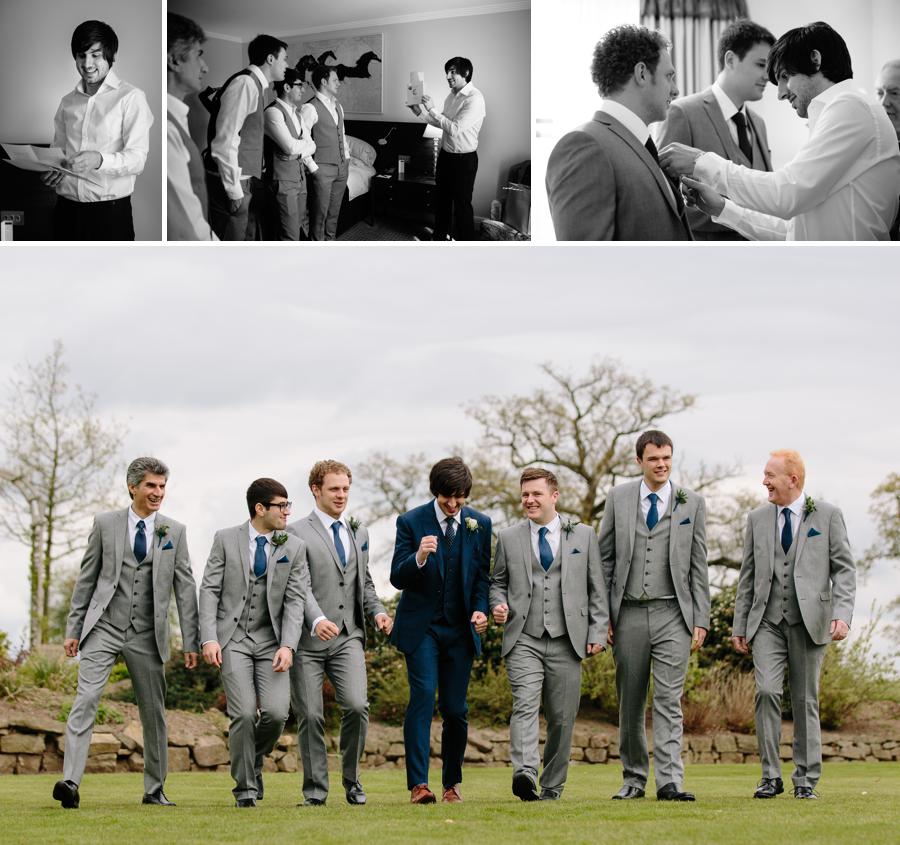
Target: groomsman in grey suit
{"type": "Point", "coordinates": [342, 594]}
{"type": "Point", "coordinates": [718, 120]}
{"type": "Point", "coordinates": [795, 595]}
{"type": "Point", "coordinates": [653, 549]}
{"type": "Point", "coordinates": [547, 588]}
{"type": "Point", "coordinates": [251, 612]}
{"type": "Point", "coordinates": [134, 559]}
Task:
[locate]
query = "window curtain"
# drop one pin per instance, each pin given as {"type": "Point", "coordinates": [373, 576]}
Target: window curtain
{"type": "Point", "coordinates": [694, 28]}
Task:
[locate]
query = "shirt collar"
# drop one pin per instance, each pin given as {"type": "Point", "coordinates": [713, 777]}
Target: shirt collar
{"type": "Point", "coordinates": [327, 520]}
{"type": "Point", "coordinates": [795, 507]}
{"type": "Point", "coordinates": [179, 108]}
{"type": "Point", "coordinates": [726, 104]}
{"type": "Point", "coordinates": [254, 533]}
{"type": "Point", "coordinates": [442, 517]}
{"type": "Point", "coordinates": [466, 90]}
{"type": "Point", "coordinates": [328, 100]}
{"type": "Point", "coordinates": [149, 521]}
{"type": "Point", "coordinates": [257, 72]}
{"type": "Point", "coordinates": [818, 103]}
{"type": "Point", "coordinates": [663, 492]}
{"type": "Point", "coordinates": [627, 117]}
{"type": "Point", "coordinates": [110, 79]}
{"type": "Point", "coordinates": [552, 527]}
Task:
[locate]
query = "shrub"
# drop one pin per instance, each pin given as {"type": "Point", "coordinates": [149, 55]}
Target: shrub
{"type": "Point", "coordinates": [719, 698]}
{"type": "Point", "coordinates": [598, 685]}
{"type": "Point", "coordinates": [490, 698]}
{"type": "Point", "coordinates": [49, 671]}
{"type": "Point", "coordinates": [106, 714]}
{"type": "Point", "coordinates": [717, 648]}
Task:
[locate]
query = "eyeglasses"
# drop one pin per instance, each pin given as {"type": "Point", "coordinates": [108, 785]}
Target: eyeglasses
{"type": "Point", "coordinates": [284, 507]}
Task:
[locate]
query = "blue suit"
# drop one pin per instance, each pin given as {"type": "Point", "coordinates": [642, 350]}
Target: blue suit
{"type": "Point", "coordinates": [433, 631]}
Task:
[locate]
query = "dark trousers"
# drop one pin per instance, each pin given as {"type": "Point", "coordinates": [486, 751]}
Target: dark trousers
{"type": "Point", "coordinates": [326, 189]}
{"type": "Point", "coordinates": [442, 663]}
{"type": "Point", "coordinates": [240, 225]}
{"type": "Point", "coordinates": [107, 220]}
{"type": "Point", "coordinates": [290, 211]}
{"type": "Point", "coordinates": [455, 178]}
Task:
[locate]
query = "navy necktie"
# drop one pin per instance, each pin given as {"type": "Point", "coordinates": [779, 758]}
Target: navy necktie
{"type": "Point", "coordinates": [544, 548]}
{"type": "Point", "coordinates": [787, 533]}
{"type": "Point", "coordinates": [259, 559]}
{"type": "Point", "coordinates": [140, 542]}
{"type": "Point", "coordinates": [653, 513]}
{"type": "Point", "coordinates": [743, 136]}
{"type": "Point", "coordinates": [450, 533]}
{"type": "Point", "coordinates": [338, 545]}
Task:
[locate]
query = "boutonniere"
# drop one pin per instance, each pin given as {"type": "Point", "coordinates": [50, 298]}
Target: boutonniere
{"type": "Point", "coordinates": [680, 499]}
{"type": "Point", "coordinates": [161, 531]}
{"type": "Point", "coordinates": [568, 527]}
{"type": "Point", "coordinates": [809, 506]}
{"type": "Point", "coordinates": [472, 524]}
{"type": "Point", "coordinates": [353, 524]}
{"type": "Point", "coordinates": [279, 539]}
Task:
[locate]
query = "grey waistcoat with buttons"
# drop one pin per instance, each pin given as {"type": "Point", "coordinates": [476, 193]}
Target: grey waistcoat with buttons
{"type": "Point", "coordinates": [546, 611]}
{"type": "Point", "coordinates": [255, 621]}
{"type": "Point", "coordinates": [782, 602]}
{"type": "Point", "coordinates": [649, 575]}
{"type": "Point", "coordinates": [132, 603]}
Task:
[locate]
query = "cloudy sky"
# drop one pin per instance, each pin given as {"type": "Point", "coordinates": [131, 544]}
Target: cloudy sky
{"type": "Point", "coordinates": [236, 363]}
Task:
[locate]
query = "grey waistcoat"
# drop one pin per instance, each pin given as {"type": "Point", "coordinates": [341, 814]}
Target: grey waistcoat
{"type": "Point", "coordinates": [546, 611]}
{"type": "Point", "coordinates": [132, 603]}
{"type": "Point", "coordinates": [782, 603]}
{"type": "Point", "coordinates": [348, 621]}
{"type": "Point", "coordinates": [255, 621]}
{"type": "Point", "coordinates": [649, 575]}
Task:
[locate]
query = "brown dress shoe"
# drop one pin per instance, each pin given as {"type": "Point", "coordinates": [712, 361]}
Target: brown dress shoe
{"type": "Point", "coordinates": [421, 794]}
{"type": "Point", "coordinates": [451, 795]}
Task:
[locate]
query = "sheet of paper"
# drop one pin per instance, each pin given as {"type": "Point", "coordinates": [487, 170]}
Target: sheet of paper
{"type": "Point", "coordinates": [40, 159]}
{"type": "Point", "coordinates": [431, 132]}
{"type": "Point", "coordinates": [416, 88]}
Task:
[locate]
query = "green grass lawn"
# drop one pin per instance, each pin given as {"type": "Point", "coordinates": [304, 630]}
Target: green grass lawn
{"type": "Point", "coordinates": [860, 803]}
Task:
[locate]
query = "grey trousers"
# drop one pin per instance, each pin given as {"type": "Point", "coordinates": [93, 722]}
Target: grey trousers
{"type": "Point", "coordinates": [326, 191]}
{"type": "Point", "coordinates": [250, 685]}
{"type": "Point", "coordinates": [344, 662]}
{"type": "Point", "coordinates": [776, 648]}
{"type": "Point", "coordinates": [99, 652]}
{"type": "Point", "coordinates": [543, 668]}
{"type": "Point", "coordinates": [651, 637]}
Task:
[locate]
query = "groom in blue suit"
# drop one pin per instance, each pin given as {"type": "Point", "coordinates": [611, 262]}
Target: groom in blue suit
{"type": "Point", "coordinates": [442, 560]}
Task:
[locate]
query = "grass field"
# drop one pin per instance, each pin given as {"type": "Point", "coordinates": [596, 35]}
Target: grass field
{"type": "Point", "coordinates": [860, 803]}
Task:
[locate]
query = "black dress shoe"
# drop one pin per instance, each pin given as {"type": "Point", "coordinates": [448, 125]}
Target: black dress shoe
{"type": "Point", "coordinates": [66, 792]}
{"type": "Point", "coordinates": [158, 797]}
{"type": "Point", "coordinates": [355, 794]}
{"type": "Point", "coordinates": [769, 788]}
{"type": "Point", "coordinates": [804, 792]}
{"type": "Point", "coordinates": [524, 787]}
{"type": "Point", "coordinates": [550, 795]}
{"type": "Point", "coordinates": [670, 792]}
{"type": "Point", "coordinates": [312, 802]}
{"type": "Point", "coordinates": [245, 802]}
{"type": "Point", "coordinates": [627, 792]}
{"type": "Point", "coordinates": [259, 787]}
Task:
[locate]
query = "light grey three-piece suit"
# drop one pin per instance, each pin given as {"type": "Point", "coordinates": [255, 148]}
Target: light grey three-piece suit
{"type": "Point", "coordinates": [658, 593]}
{"type": "Point", "coordinates": [251, 617]}
{"type": "Point", "coordinates": [344, 595]}
{"type": "Point", "coordinates": [553, 615]}
{"type": "Point", "coordinates": [784, 607]}
{"type": "Point", "coordinates": [121, 606]}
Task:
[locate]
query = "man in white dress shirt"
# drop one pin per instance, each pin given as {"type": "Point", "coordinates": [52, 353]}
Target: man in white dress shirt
{"type": "Point", "coordinates": [844, 182]}
{"type": "Point", "coordinates": [234, 157]}
{"type": "Point", "coordinates": [288, 150]}
{"type": "Point", "coordinates": [887, 89]}
{"type": "Point", "coordinates": [460, 121]}
{"type": "Point", "coordinates": [103, 129]}
{"type": "Point", "coordinates": [187, 207]}
{"type": "Point", "coordinates": [325, 117]}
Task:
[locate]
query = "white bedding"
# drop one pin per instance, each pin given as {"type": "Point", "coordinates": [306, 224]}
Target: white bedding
{"type": "Point", "coordinates": [360, 178]}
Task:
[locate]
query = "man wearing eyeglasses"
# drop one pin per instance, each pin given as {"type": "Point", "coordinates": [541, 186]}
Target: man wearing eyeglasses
{"type": "Point", "coordinates": [251, 610]}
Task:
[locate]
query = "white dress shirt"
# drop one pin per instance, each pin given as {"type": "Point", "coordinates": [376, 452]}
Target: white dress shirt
{"type": "Point", "coordinates": [253, 535]}
{"type": "Point", "coordinates": [662, 504]}
{"type": "Point", "coordinates": [115, 122]}
{"type": "Point", "coordinates": [843, 184]}
{"type": "Point", "coordinates": [327, 521]}
{"type": "Point", "coordinates": [442, 521]}
{"type": "Point", "coordinates": [149, 527]}
{"type": "Point", "coordinates": [795, 509]}
{"type": "Point", "coordinates": [553, 535]}
{"type": "Point", "coordinates": [240, 99]}
{"type": "Point", "coordinates": [278, 131]}
{"type": "Point", "coordinates": [729, 110]}
{"type": "Point", "coordinates": [460, 120]}
{"type": "Point", "coordinates": [181, 200]}
{"type": "Point", "coordinates": [310, 117]}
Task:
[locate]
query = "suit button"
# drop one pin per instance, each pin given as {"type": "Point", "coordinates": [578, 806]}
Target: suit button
{"type": "Point", "coordinates": [340, 607]}
{"type": "Point", "coordinates": [340, 583]}
{"type": "Point", "coordinates": [235, 618]}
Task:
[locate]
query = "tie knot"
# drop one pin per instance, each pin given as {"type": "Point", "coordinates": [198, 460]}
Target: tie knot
{"type": "Point", "coordinates": [260, 541]}
{"type": "Point", "coordinates": [542, 532]}
{"type": "Point", "coordinates": [653, 498]}
{"type": "Point", "coordinates": [739, 119]}
{"type": "Point", "coordinates": [786, 512]}
{"type": "Point", "coordinates": [141, 526]}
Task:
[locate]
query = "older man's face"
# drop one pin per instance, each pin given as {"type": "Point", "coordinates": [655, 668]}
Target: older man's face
{"type": "Point", "coordinates": [887, 90]}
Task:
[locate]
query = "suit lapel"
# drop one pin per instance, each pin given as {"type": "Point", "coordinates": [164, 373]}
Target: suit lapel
{"type": "Point", "coordinates": [121, 537]}
{"type": "Point", "coordinates": [711, 104]}
{"type": "Point", "coordinates": [317, 526]}
{"type": "Point", "coordinates": [432, 526]}
{"type": "Point", "coordinates": [565, 549]}
{"type": "Point", "coordinates": [673, 522]}
{"type": "Point", "coordinates": [770, 525]}
{"type": "Point", "coordinates": [631, 510]}
{"type": "Point", "coordinates": [527, 551]}
{"type": "Point", "coordinates": [802, 530]}
{"type": "Point", "coordinates": [759, 138]}
{"type": "Point", "coordinates": [243, 541]}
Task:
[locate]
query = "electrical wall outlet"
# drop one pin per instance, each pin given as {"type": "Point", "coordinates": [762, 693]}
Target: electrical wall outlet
{"type": "Point", "coordinates": [17, 218]}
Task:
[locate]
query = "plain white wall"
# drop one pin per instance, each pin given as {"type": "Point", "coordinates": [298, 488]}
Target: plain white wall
{"type": "Point", "coordinates": [38, 69]}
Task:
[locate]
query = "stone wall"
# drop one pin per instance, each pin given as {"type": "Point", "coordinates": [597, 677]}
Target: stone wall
{"type": "Point", "coordinates": [32, 743]}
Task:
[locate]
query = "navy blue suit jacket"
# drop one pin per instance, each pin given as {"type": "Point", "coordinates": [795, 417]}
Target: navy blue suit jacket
{"type": "Point", "coordinates": [420, 587]}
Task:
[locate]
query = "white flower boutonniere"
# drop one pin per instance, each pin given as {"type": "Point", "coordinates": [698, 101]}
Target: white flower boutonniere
{"type": "Point", "coordinates": [472, 524]}
{"type": "Point", "coordinates": [569, 527]}
{"type": "Point", "coordinates": [353, 523]}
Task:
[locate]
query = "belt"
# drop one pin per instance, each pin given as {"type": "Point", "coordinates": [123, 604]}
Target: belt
{"type": "Point", "coordinates": [649, 602]}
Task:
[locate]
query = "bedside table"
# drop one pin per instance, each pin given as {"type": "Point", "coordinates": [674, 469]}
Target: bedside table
{"type": "Point", "coordinates": [407, 197]}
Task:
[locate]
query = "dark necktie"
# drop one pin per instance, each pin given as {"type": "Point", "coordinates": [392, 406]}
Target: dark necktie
{"type": "Point", "coordinates": [450, 533]}
{"type": "Point", "coordinates": [787, 533]}
{"type": "Point", "coordinates": [653, 513]}
{"type": "Point", "coordinates": [544, 549]}
{"type": "Point", "coordinates": [338, 545]}
{"type": "Point", "coordinates": [743, 135]}
{"type": "Point", "coordinates": [259, 559]}
{"type": "Point", "coordinates": [674, 183]}
{"type": "Point", "coordinates": [140, 542]}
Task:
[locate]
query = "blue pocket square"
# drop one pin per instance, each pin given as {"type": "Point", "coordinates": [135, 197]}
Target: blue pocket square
{"type": "Point", "coordinates": [576, 551]}
{"type": "Point", "coordinates": [283, 559]}
{"type": "Point", "coordinates": [168, 546]}
{"type": "Point", "coordinates": [813, 533]}
{"type": "Point", "coordinates": [364, 547]}
{"type": "Point", "coordinates": [685, 521]}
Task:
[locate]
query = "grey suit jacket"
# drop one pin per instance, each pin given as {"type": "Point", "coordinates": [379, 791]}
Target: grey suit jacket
{"type": "Point", "coordinates": [687, 550]}
{"type": "Point", "coordinates": [583, 592]}
{"type": "Point", "coordinates": [824, 571]}
{"type": "Point", "coordinates": [697, 121]}
{"type": "Point", "coordinates": [102, 566]}
{"type": "Point", "coordinates": [327, 577]}
{"type": "Point", "coordinates": [226, 578]}
{"type": "Point", "coordinates": [602, 184]}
